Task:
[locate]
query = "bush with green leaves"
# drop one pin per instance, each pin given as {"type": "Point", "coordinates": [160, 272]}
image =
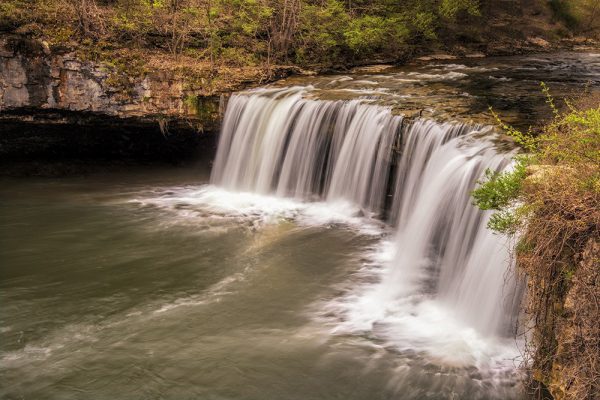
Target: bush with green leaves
{"type": "Point", "coordinates": [565, 155]}
{"type": "Point", "coordinates": [550, 201]}
{"type": "Point", "coordinates": [308, 32]}
{"type": "Point", "coordinates": [371, 34]}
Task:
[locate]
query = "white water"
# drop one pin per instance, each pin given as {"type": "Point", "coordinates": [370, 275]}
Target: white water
{"type": "Point", "coordinates": [443, 287]}
{"type": "Point", "coordinates": [277, 142]}
{"type": "Point", "coordinates": [443, 247]}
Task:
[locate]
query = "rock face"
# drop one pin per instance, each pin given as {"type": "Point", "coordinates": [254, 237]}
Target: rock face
{"type": "Point", "coordinates": [54, 106]}
{"type": "Point", "coordinates": [576, 366]}
{"type": "Point", "coordinates": [32, 76]}
{"type": "Point", "coordinates": [563, 286]}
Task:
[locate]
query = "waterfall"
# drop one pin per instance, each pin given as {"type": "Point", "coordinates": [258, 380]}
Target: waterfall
{"type": "Point", "coordinates": [417, 176]}
{"type": "Point", "coordinates": [276, 141]}
{"type": "Point", "coordinates": [443, 247]}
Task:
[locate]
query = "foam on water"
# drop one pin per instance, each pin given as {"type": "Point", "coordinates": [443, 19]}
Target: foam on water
{"type": "Point", "coordinates": [420, 327]}
{"type": "Point", "coordinates": [446, 285]}
{"type": "Point", "coordinates": [190, 205]}
{"type": "Point", "coordinates": [448, 76]}
{"type": "Point", "coordinates": [438, 286]}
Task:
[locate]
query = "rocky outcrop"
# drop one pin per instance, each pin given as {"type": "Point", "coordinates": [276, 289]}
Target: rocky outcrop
{"type": "Point", "coordinates": [54, 106]}
{"type": "Point", "coordinates": [560, 256]}
{"type": "Point", "coordinates": [33, 76]}
{"type": "Point", "coordinates": [576, 366]}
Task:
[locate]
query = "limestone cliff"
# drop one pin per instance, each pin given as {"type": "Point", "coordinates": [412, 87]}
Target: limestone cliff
{"type": "Point", "coordinates": [55, 106]}
{"type": "Point", "coordinates": [33, 76]}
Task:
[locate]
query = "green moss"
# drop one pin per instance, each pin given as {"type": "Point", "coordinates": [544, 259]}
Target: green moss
{"type": "Point", "coordinates": [204, 108]}
{"type": "Point", "coordinates": [192, 103]}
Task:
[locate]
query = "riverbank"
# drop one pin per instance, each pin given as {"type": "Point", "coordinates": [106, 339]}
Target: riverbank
{"type": "Point", "coordinates": [549, 201]}
{"type": "Point", "coordinates": [136, 61]}
{"type": "Point", "coordinates": [55, 104]}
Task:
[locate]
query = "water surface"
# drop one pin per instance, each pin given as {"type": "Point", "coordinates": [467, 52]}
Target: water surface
{"type": "Point", "coordinates": [154, 283]}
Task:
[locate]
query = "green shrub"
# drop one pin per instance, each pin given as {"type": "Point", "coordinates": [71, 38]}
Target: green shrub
{"type": "Point", "coordinates": [370, 34]}
{"type": "Point", "coordinates": [551, 201]}
{"type": "Point", "coordinates": [320, 33]}
{"type": "Point", "coordinates": [12, 13]}
{"type": "Point", "coordinates": [566, 154]}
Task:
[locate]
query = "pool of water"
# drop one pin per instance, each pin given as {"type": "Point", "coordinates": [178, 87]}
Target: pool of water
{"type": "Point", "coordinates": [145, 284]}
{"type": "Point", "coordinates": [149, 282]}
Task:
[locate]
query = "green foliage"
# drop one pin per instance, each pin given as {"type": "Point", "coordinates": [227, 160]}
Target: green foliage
{"type": "Point", "coordinates": [365, 33]}
{"type": "Point", "coordinates": [133, 19]}
{"type": "Point", "coordinates": [564, 160]}
{"type": "Point", "coordinates": [236, 32]}
{"type": "Point", "coordinates": [425, 24]}
{"type": "Point", "coordinates": [577, 15]}
{"type": "Point", "coordinates": [242, 32]}
{"type": "Point", "coordinates": [321, 32]}
{"type": "Point", "coordinates": [238, 57]}
{"type": "Point", "coordinates": [12, 13]}
{"type": "Point", "coordinates": [555, 211]}
{"type": "Point", "coordinates": [562, 10]}
{"type": "Point", "coordinates": [549, 98]}
{"type": "Point", "coordinates": [499, 190]}
{"type": "Point", "coordinates": [369, 34]}
{"type": "Point", "coordinates": [582, 144]}
{"type": "Point", "coordinates": [505, 222]}
{"type": "Point", "coordinates": [450, 8]}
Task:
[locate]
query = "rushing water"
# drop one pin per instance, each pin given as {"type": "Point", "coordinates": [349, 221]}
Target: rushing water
{"type": "Point", "coordinates": [335, 253]}
{"type": "Point", "coordinates": [446, 291]}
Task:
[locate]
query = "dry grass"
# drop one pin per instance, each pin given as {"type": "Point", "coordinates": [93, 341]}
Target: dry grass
{"type": "Point", "coordinates": [559, 252]}
{"type": "Point", "coordinates": [551, 200]}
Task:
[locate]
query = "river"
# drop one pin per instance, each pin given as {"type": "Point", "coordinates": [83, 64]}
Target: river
{"type": "Point", "coordinates": [328, 250]}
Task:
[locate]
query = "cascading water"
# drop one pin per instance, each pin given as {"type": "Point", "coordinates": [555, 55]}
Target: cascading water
{"type": "Point", "coordinates": [442, 244]}
{"type": "Point", "coordinates": [335, 255]}
{"type": "Point", "coordinates": [275, 141]}
{"type": "Point", "coordinates": [446, 285]}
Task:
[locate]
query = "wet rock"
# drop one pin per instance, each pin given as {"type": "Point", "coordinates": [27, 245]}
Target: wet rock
{"type": "Point", "coordinates": [371, 69]}
{"type": "Point", "coordinates": [435, 57]}
{"type": "Point", "coordinates": [538, 41]}
{"type": "Point", "coordinates": [475, 55]}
